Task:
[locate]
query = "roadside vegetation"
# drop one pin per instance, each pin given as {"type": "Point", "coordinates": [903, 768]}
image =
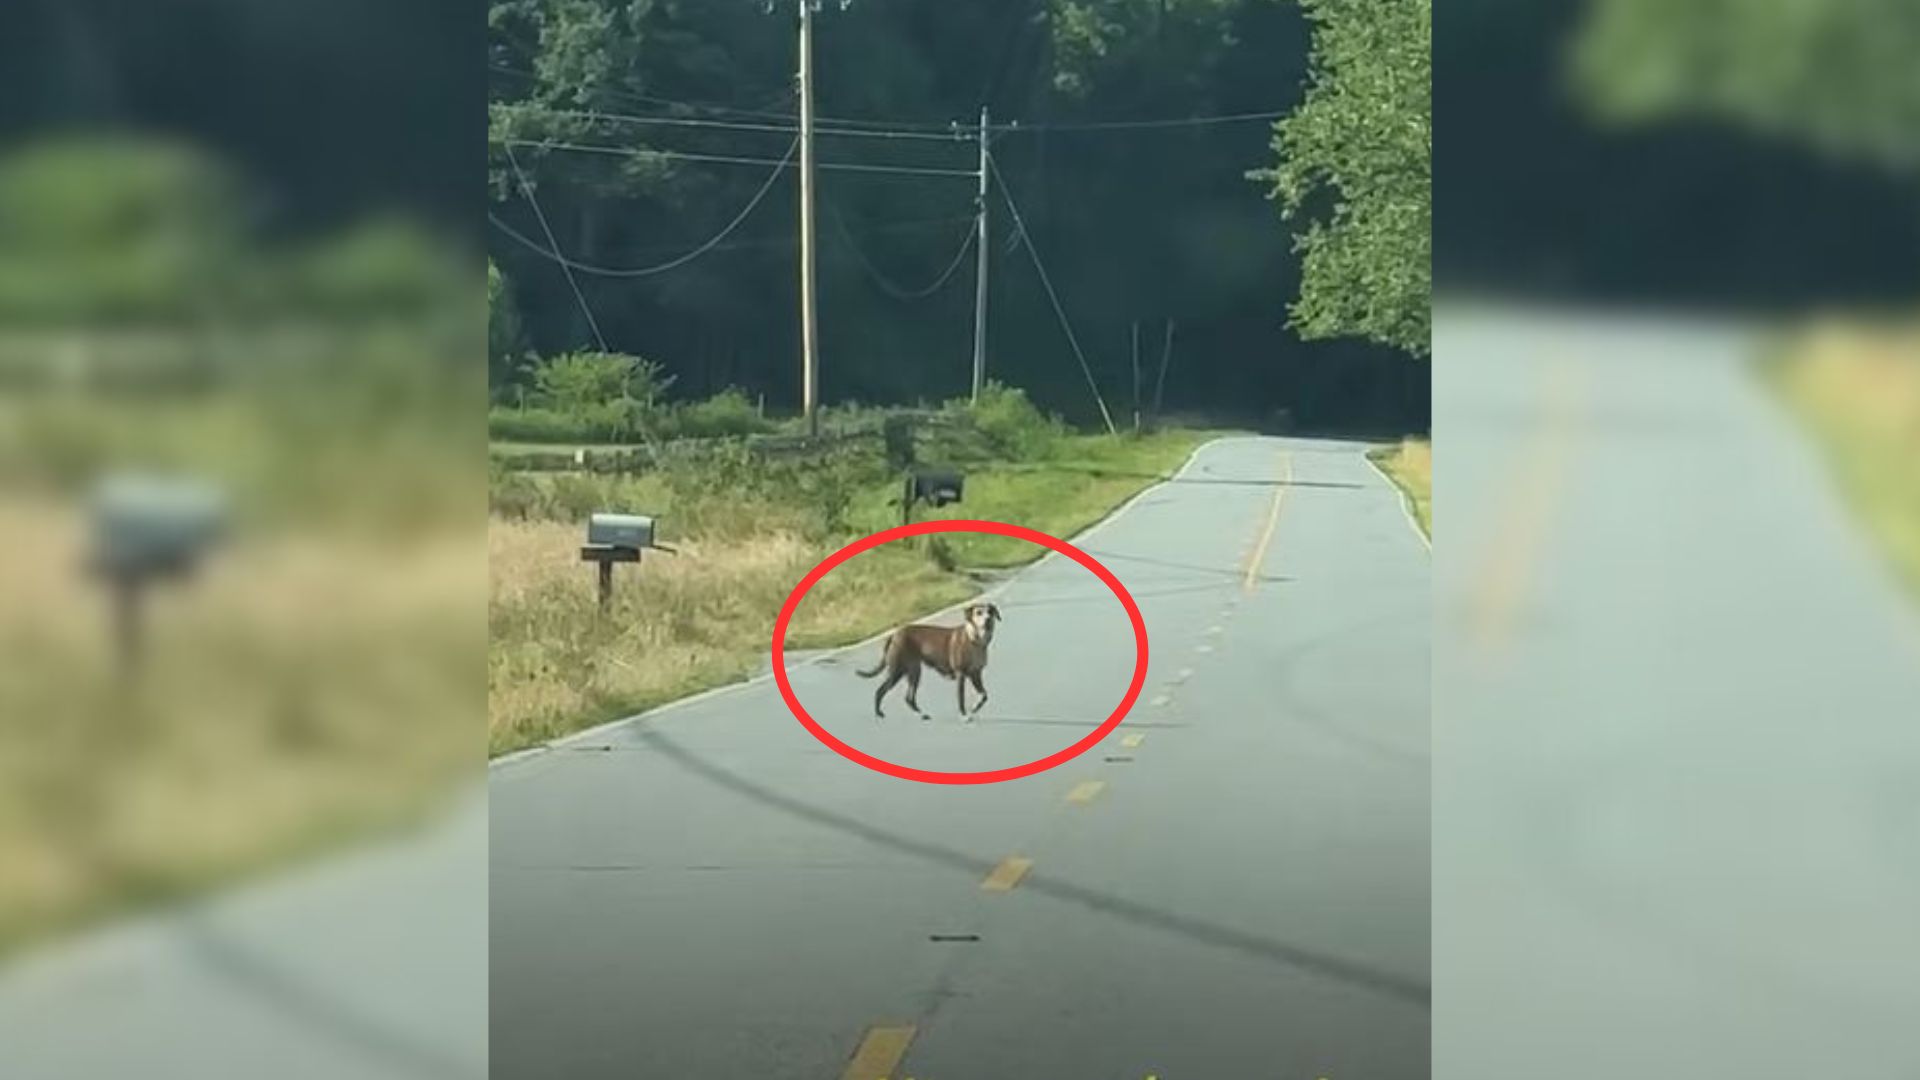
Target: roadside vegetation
{"type": "Point", "coordinates": [746, 528]}
{"type": "Point", "coordinates": [1410, 464]}
{"type": "Point", "coordinates": [1857, 388]}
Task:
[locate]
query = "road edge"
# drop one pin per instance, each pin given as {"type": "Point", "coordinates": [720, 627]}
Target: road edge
{"type": "Point", "coordinates": [1405, 498]}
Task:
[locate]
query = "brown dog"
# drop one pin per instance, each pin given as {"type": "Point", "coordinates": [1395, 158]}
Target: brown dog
{"type": "Point", "coordinates": [958, 652]}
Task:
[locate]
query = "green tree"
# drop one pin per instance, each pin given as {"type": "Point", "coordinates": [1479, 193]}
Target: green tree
{"type": "Point", "coordinates": [1356, 158]}
{"type": "Point", "coordinates": [606, 395]}
{"type": "Point", "coordinates": [1837, 75]}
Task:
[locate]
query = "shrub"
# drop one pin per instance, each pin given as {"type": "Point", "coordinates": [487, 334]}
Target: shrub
{"type": "Point", "coordinates": [535, 425]}
{"type": "Point", "coordinates": [728, 412]}
{"type": "Point", "coordinates": [1013, 424]}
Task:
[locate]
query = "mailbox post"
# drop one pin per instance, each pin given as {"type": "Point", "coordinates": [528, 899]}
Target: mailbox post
{"type": "Point", "coordinates": [616, 538]}
{"type": "Point", "coordinates": [148, 530]}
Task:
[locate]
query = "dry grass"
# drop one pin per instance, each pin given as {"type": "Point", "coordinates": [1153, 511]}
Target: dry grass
{"type": "Point", "coordinates": [1858, 387]}
{"type": "Point", "coordinates": [1411, 466]}
{"type": "Point", "coordinates": [678, 624]}
{"type": "Point", "coordinates": [294, 694]}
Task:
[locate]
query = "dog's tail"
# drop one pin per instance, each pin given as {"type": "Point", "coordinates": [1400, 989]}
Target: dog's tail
{"type": "Point", "coordinates": [881, 663]}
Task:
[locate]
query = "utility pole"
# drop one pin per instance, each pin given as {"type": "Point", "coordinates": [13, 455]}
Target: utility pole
{"type": "Point", "coordinates": [809, 323]}
{"type": "Point", "coordinates": [1136, 376]}
{"type": "Point", "coordinates": [980, 275]}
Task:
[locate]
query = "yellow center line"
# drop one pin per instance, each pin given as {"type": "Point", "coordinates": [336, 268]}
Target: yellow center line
{"type": "Point", "coordinates": [1132, 742]}
{"type": "Point", "coordinates": [1007, 874]}
{"type": "Point", "coordinates": [1503, 580]}
{"type": "Point", "coordinates": [879, 1054]}
{"type": "Point", "coordinates": [1086, 792]}
{"type": "Point", "coordinates": [1273, 519]}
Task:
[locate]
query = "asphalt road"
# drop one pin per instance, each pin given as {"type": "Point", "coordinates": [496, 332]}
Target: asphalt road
{"type": "Point", "coordinates": [1233, 884]}
{"type": "Point", "coordinates": [1677, 721]}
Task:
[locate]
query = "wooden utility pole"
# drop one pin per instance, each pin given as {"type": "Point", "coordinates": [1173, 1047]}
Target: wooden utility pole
{"type": "Point", "coordinates": [980, 275]}
{"type": "Point", "coordinates": [809, 324]}
{"type": "Point", "coordinates": [1136, 376]}
{"type": "Point", "coordinates": [1160, 385]}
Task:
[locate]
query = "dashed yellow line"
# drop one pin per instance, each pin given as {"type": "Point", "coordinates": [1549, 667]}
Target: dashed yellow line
{"type": "Point", "coordinates": [1132, 742]}
{"type": "Point", "coordinates": [1007, 874]}
{"type": "Point", "coordinates": [1161, 702]}
{"type": "Point", "coordinates": [1086, 792]}
{"type": "Point", "coordinates": [879, 1054]}
{"type": "Point", "coordinates": [1504, 577]}
{"type": "Point", "coordinates": [1273, 519]}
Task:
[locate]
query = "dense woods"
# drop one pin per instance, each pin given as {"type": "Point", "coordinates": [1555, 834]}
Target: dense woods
{"type": "Point", "coordinates": [1125, 132]}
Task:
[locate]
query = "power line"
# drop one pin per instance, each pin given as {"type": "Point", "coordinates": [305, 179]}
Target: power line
{"type": "Point", "coordinates": [1127, 125]}
{"type": "Point", "coordinates": [737, 125]}
{"type": "Point", "coordinates": [527, 189]}
{"type": "Point", "coordinates": [880, 279]}
{"type": "Point", "coordinates": [1034, 253]}
{"type": "Point", "coordinates": [768, 242]}
{"type": "Point", "coordinates": [729, 159]}
{"type": "Point", "coordinates": [634, 95]}
{"type": "Point", "coordinates": [930, 129]}
{"type": "Point", "coordinates": [555, 254]}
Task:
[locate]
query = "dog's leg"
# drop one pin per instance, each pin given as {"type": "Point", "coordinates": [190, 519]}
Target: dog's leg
{"type": "Point", "coordinates": [885, 685]}
{"type": "Point", "coordinates": [913, 693]}
{"type": "Point", "coordinates": [960, 688]}
{"type": "Point", "coordinates": [982, 688]}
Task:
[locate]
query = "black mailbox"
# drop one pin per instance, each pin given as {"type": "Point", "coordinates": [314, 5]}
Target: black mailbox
{"type": "Point", "coordinates": [936, 487]}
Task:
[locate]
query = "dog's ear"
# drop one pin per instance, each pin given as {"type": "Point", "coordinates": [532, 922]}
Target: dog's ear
{"type": "Point", "coordinates": [994, 610]}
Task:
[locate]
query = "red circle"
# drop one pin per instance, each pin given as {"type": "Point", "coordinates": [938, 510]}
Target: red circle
{"type": "Point", "coordinates": [932, 776]}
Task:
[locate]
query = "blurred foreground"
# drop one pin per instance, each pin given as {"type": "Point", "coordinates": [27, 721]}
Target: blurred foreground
{"type": "Point", "coordinates": [319, 679]}
{"type": "Point", "coordinates": [1676, 768]}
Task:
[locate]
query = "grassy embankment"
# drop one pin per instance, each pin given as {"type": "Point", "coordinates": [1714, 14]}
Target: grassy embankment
{"type": "Point", "coordinates": [1857, 388]}
{"type": "Point", "coordinates": [1411, 466]}
{"type": "Point", "coordinates": [745, 535]}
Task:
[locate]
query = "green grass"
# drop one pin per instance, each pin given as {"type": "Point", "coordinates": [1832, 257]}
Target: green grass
{"type": "Point", "coordinates": [1856, 387]}
{"type": "Point", "coordinates": [746, 534]}
{"type": "Point", "coordinates": [1410, 466]}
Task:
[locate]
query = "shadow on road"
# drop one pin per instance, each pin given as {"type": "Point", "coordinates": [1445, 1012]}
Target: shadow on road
{"type": "Point", "coordinates": [1169, 478]}
{"type": "Point", "coordinates": [1220, 571]}
{"type": "Point", "coordinates": [1088, 725]}
{"type": "Point", "coordinates": [1387, 984]}
{"type": "Point", "coordinates": [321, 1009]}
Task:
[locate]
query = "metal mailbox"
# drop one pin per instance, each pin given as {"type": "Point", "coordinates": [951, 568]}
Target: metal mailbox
{"type": "Point", "coordinates": [632, 531]}
{"type": "Point", "coordinates": [936, 487]}
{"type": "Point", "coordinates": [154, 526]}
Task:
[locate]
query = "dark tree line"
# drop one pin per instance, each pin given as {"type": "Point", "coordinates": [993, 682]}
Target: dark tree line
{"type": "Point", "coordinates": [1150, 224]}
{"type": "Point", "coordinates": [1743, 156]}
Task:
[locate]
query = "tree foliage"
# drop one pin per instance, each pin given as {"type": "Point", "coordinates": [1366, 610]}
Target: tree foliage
{"type": "Point", "coordinates": [1355, 158]}
{"type": "Point", "coordinates": [1836, 75]}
